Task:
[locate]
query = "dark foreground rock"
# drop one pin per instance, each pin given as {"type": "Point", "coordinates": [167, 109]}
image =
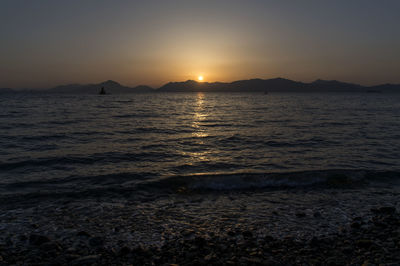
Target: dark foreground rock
{"type": "Point", "coordinates": [374, 241]}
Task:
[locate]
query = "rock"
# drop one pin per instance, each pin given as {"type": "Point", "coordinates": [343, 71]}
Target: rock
{"type": "Point", "coordinates": [60, 260]}
{"type": "Point", "coordinates": [124, 251]}
{"type": "Point", "coordinates": [208, 257]}
{"type": "Point", "coordinates": [23, 237]}
{"type": "Point", "coordinates": [387, 210]}
{"type": "Point", "coordinates": [347, 250]}
{"type": "Point", "coordinates": [335, 260]}
{"type": "Point", "coordinates": [200, 241]}
{"type": "Point", "coordinates": [317, 214]}
{"type": "Point", "coordinates": [342, 230]}
{"type": "Point", "coordinates": [143, 252]}
{"type": "Point", "coordinates": [83, 233]}
{"type": "Point", "coordinates": [253, 261]}
{"type": "Point", "coordinates": [231, 233]}
{"type": "Point", "coordinates": [35, 226]}
{"type": "Point", "coordinates": [332, 261]}
{"type": "Point", "coordinates": [51, 246]}
{"type": "Point", "coordinates": [314, 241]}
{"type": "Point", "coordinates": [254, 253]}
{"type": "Point", "coordinates": [384, 210]}
{"type": "Point", "coordinates": [367, 263]}
{"type": "Point", "coordinates": [86, 260]}
{"type": "Point", "coordinates": [71, 250]}
{"type": "Point", "coordinates": [188, 232]}
{"type": "Point", "coordinates": [364, 243]}
{"type": "Point", "coordinates": [269, 238]}
{"type": "Point", "coordinates": [182, 190]}
{"type": "Point", "coordinates": [38, 239]}
{"type": "Point", "coordinates": [355, 225]}
{"type": "Point", "coordinates": [300, 214]}
{"type": "Point", "coordinates": [9, 242]}
{"type": "Point", "coordinates": [247, 234]}
{"type": "Point", "coordinates": [96, 241]}
{"type": "Point", "coordinates": [380, 224]}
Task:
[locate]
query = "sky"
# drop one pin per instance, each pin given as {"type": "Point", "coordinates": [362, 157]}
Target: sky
{"type": "Point", "coordinates": [45, 43]}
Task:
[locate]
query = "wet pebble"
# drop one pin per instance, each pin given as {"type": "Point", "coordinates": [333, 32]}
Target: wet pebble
{"type": "Point", "coordinates": [96, 241]}
{"type": "Point", "coordinates": [38, 239]}
{"type": "Point", "coordinates": [300, 214]}
{"type": "Point", "coordinates": [86, 260]}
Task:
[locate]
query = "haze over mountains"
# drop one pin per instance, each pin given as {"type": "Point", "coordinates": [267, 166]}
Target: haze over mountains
{"type": "Point", "coordinates": [252, 85]}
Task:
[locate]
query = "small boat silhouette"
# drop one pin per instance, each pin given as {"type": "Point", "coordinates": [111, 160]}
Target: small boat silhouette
{"type": "Point", "coordinates": [102, 91]}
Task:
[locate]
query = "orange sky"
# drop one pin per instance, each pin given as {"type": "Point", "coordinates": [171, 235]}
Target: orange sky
{"type": "Point", "coordinates": [45, 43]}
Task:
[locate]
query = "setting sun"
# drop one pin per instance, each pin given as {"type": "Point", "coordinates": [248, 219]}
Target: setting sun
{"type": "Point", "coordinates": [200, 78]}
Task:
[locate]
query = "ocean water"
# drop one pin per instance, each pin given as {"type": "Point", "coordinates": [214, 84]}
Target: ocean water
{"type": "Point", "coordinates": [78, 143]}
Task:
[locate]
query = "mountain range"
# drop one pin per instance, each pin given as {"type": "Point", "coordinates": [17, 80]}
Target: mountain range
{"type": "Point", "coordinates": [251, 85]}
{"type": "Point", "coordinates": [109, 85]}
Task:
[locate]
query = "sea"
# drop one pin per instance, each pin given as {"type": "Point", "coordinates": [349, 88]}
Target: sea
{"type": "Point", "coordinates": [60, 143]}
{"type": "Point", "coordinates": [148, 169]}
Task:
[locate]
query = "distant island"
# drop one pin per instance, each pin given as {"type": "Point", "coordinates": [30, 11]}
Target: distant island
{"type": "Point", "coordinates": [251, 85]}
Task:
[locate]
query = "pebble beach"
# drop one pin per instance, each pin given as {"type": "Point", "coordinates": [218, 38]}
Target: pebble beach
{"type": "Point", "coordinates": [195, 227]}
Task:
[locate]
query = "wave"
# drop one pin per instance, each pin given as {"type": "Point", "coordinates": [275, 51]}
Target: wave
{"type": "Point", "coordinates": [314, 178]}
{"type": "Point", "coordinates": [148, 186]}
{"type": "Point", "coordinates": [226, 181]}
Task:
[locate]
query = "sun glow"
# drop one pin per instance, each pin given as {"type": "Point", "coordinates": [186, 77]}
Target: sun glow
{"type": "Point", "coordinates": [200, 78]}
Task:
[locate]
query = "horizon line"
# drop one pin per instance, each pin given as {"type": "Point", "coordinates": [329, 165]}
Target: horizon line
{"type": "Point", "coordinates": [200, 82]}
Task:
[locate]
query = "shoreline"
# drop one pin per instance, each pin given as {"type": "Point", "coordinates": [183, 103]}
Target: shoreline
{"type": "Point", "coordinates": [342, 226]}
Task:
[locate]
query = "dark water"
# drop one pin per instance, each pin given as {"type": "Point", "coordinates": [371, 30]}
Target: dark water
{"type": "Point", "coordinates": [80, 142]}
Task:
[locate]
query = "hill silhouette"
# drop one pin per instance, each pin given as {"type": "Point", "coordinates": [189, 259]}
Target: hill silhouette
{"type": "Point", "coordinates": [274, 85]}
{"type": "Point", "coordinates": [109, 85]}
{"type": "Point", "coordinates": [251, 85]}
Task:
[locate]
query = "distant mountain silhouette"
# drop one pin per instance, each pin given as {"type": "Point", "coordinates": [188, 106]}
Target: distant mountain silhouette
{"type": "Point", "coordinates": [251, 85]}
{"type": "Point", "coordinates": [110, 86]}
{"type": "Point", "coordinates": [236, 86]}
{"type": "Point", "coordinates": [334, 85]}
{"type": "Point", "coordinates": [265, 85]}
{"type": "Point", "coordinates": [385, 88]}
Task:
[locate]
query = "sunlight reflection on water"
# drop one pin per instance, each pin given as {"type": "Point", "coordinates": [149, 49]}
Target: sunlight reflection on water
{"type": "Point", "coordinates": [189, 133]}
{"type": "Point", "coordinates": [199, 115]}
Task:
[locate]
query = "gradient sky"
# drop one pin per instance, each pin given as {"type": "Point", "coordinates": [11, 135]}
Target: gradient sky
{"type": "Point", "coordinates": [50, 42]}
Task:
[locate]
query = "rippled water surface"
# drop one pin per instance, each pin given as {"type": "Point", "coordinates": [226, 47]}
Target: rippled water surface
{"type": "Point", "coordinates": [131, 138]}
